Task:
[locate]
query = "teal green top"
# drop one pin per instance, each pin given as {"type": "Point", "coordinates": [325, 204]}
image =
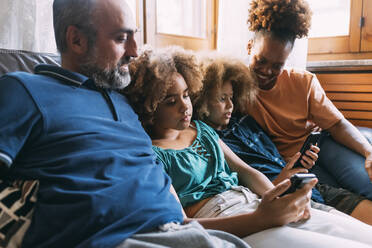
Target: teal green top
{"type": "Point", "coordinates": [200, 170]}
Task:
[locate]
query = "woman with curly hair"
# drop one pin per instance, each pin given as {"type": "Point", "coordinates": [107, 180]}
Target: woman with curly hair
{"type": "Point", "coordinates": [228, 87]}
{"type": "Point", "coordinates": [213, 185]}
{"type": "Point", "coordinates": [291, 103]}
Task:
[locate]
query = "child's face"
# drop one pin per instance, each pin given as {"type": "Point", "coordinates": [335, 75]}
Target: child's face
{"type": "Point", "coordinates": [176, 110]}
{"type": "Point", "coordinates": [220, 107]}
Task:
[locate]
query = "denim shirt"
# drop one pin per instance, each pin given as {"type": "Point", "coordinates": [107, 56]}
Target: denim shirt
{"type": "Point", "coordinates": [248, 140]}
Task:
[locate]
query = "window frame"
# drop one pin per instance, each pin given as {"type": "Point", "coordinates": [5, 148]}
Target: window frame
{"type": "Point", "coordinates": [341, 44]}
{"type": "Point", "coordinates": [355, 46]}
{"type": "Point", "coordinates": [156, 39]}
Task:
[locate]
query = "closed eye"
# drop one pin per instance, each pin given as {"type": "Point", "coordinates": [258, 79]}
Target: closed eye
{"type": "Point", "coordinates": [122, 38]}
{"type": "Point", "coordinates": [170, 102]}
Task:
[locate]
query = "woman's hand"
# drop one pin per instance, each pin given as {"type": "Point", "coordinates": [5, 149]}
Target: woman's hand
{"type": "Point", "coordinates": [368, 165]}
{"type": "Point", "coordinates": [310, 157]}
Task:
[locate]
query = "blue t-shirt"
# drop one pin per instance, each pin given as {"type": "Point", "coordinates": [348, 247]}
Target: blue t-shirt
{"type": "Point", "coordinates": [200, 170]}
{"type": "Point", "coordinates": [99, 179]}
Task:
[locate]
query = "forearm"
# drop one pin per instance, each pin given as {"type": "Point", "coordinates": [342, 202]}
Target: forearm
{"type": "Point", "coordinates": [347, 134]}
{"type": "Point", "coordinates": [256, 181]}
{"type": "Point", "coordinates": [249, 177]}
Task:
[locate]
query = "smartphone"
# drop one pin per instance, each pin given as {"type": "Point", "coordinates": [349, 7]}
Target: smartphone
{"type": "Point", "coordinates": [298, 181]}
{"type": "Point", "coordinates": [312, 139]}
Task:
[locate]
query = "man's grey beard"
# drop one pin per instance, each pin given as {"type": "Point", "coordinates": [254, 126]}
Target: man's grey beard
{"type": "Point", "coordinates": [105, 78]}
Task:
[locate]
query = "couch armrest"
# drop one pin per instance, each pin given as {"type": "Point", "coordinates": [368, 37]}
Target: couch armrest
{"type": "Point", "coordinates": [367, 132]}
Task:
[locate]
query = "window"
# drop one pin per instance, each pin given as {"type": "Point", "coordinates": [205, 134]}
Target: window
{"type": "Point", "coordinates": [330, 18]}
{"type": "Point", "coordinates": [340, 29]}
{"type": "Point", "coordinates": [136, 7]}
{"type": "Point", "coordinates": [187, 17]}
{"type": "Point", "coordinates": [27, 25]}
{"type": "Point", "coordinates": [187, 23]}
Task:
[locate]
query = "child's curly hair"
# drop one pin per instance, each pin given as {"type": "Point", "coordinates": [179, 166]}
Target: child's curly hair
{"type": "Point", "coordinates": [152, 75]}
{"type": "Point", "coordinates": [285, 18]}
{"type": "Point", "coordinates": [217, 70]}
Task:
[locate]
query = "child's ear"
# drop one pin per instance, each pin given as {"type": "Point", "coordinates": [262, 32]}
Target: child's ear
{"type": "Point", "coordinates": [249, 46]}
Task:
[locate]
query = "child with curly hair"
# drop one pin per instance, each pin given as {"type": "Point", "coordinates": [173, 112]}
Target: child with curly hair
{"type": "Point", "coordinates": [291, 103]}
{"type": "Point", "coordinates": [213, 185]}
{"type": "Point", "coordinates": [225, 92]}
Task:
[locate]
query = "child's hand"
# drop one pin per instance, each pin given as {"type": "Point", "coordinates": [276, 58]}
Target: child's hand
{"type": "Point", "coordinates": [289, 171]}
{"type": "Point", "coordinates": [278, 211]}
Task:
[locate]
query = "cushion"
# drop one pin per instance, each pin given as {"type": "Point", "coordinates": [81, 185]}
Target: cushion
{"type": "Point", "coordinates": [17, 200]}
{"type": "Point", "coordinates": [19, 60]}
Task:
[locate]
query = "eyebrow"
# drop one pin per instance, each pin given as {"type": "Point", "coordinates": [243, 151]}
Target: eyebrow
{"type": "Point", "coordinates": [125, 30]}
{"type": "Point", "coordinates": [171, 95]}
{"type": "Point", "coordinates": [275, 63]}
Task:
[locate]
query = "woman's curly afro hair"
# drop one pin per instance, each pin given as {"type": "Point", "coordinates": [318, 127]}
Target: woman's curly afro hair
{"type": "Point", "coordinates": [284, 18]}
{"type": "Point", "coordinates": [217, 70]}
{"type": "Point", "coordinates": [152, 75]}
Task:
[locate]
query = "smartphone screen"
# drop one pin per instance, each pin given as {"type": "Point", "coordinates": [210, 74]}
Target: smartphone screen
{"type": "Point", "coordinates": [298, 181]}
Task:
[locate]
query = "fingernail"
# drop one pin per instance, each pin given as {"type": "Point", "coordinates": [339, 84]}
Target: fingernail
{"type": "Point", "coordinates": [286, 181]}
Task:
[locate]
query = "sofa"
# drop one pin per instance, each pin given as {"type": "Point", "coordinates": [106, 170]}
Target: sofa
{"type": "Point", "coordinates": [22, 195]}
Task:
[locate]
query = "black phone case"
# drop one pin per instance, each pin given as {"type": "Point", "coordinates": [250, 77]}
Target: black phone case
{"type": "Point", "coordinates": [312, 139]}
{"type": "Point", "coordinates": [298, 181]}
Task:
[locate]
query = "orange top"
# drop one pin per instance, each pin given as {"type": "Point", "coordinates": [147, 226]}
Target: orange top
{"type": "Point", "coordinates": [295, 106]}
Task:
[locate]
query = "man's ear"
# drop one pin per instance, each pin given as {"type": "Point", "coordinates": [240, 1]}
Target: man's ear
{"type": "Point", "coordinates": [76, 40]}
{"type": "Point", "coordinates": [249, 46]}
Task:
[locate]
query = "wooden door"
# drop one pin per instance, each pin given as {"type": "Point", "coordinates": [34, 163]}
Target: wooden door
{"type": "Point", "coordinates": [366, 41]}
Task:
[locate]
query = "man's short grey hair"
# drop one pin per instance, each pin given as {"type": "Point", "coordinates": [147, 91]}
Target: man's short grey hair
{"type": "Point", "coordinates": [73, 12]}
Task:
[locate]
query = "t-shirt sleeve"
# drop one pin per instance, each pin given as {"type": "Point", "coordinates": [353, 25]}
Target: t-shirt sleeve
{"type": "Point", "coordinates": [322, 111]}
{"type": "Point", "coordinates": [206, 128]}
{"type": "Point", "coordinates": [19, 116]}
{"type": "Point", "coordinates": [161, 158]}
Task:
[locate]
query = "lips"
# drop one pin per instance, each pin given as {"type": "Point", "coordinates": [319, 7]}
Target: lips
{"type": "Point", "coordinates": [263, 77]}
{"type": "Point", "coordinates": [265, 82]}
{"type": "Point", "coordinates": [186, 118]}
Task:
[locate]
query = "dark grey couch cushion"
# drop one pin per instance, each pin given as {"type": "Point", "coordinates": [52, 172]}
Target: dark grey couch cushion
{"type": "Point", "coordinates": [18, 60]}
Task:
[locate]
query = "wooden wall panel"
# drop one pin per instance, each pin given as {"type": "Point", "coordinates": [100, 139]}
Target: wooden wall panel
{"type": "Point", "coordinates": [351, 93]}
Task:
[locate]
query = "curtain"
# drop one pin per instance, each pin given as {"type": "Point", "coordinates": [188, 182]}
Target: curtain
{"type": "Point", "coordinates": [233, 33]}
{"type": "Point", "coordinates": [27, 25]}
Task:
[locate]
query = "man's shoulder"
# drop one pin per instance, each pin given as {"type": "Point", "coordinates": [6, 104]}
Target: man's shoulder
{"type": "Point", "coordinates": [16, 81]}
{"type": "Point", "coordinates": [24, 77]}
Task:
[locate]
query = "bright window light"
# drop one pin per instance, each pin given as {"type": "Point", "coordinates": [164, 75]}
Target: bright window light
{"type": "Point", "coordinates": [330, 18]}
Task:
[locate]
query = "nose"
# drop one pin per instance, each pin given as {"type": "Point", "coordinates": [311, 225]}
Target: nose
{"type": "Point", "coordinates": [229, 104]}
{"type": "Point", "coordinates": [184, 105]}
{"type": "Point", "coordinates": [130, 47]}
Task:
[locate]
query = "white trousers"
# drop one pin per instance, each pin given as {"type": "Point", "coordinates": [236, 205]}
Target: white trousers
{"type": "Point", "coordinates": [323, 229]}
